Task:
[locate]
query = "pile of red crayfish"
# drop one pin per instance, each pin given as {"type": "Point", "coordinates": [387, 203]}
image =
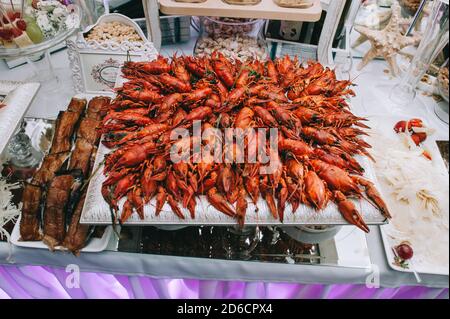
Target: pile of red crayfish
{"type": "Point", "coordinates": [318, 137]}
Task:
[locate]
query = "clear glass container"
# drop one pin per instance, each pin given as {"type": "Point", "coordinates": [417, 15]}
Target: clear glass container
{"type": "Point", "coordinates": [294, 3]}
{"type": "Point", "coordinates": [240, 243]}
{"type": "Point", "coordinates": [243, 2]}
{"type": "Point", "coordinates": [23, 158]}
{"type": "Point", "coordinates": [92, 10]}
{"type": "Point", "coordinates": [236, 38]}
{"type": "Point", "coordinates": [66, 28]}
{"type": "Point", "coordinates": [434, 39]}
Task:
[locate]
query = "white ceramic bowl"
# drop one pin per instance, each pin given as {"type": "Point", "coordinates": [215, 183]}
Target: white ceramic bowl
{"type": "Point", "coordinates": [116, 17]}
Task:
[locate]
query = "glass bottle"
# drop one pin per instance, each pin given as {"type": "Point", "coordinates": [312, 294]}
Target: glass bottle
{"type": "Point", "coordinates": [240, 243]}
{"type": "Point", "coordinates": [23, 157]}
{"type": "Point", "coordinates": [434, 39]}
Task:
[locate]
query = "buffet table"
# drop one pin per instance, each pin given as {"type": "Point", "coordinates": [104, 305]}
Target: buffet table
{"type": "Point", "coordinates": [32, 273]}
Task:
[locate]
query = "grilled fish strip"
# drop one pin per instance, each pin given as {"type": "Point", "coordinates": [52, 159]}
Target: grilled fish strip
{"type": "Point", "coordinates": [77, 233]}
{"type": "Point", "coordinates": [51, 164]}
{"type": "Point", "coordinates": [65, 128]}
{"type": "Point", "coordinates": [97, 107]}
{"type": "Point", "coordinates": [54, 215]}
{"type": "Point", "coordinates": [29, 224]}
{"type": "Point", "coordinates": [89, 130]}
{"type": "Point", "coordinates": [81, 156]}
{"type": "Point", "coordinates": [77, 105]}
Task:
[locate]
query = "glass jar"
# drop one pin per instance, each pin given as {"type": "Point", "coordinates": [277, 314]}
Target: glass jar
{"type": "Point", "coordinates": [236, 38]}
{"type": "Point", "coordinates": [294, 3]}
{"type": "Point", "coordinates": [243, 2]}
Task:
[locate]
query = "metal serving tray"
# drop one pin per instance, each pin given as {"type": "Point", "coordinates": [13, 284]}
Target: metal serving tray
{"type": "Point", "coordinates": [97, 211]}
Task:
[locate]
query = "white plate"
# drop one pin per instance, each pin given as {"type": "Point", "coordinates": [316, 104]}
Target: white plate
{"type": "Point", "coordinates": [385, 124]}
{"type": "Point", "coordinates": [389, 243]}
{"type": "Point", "coordinates": [95, 244]}
{"type": "Point", "coordinates": [18, 99]}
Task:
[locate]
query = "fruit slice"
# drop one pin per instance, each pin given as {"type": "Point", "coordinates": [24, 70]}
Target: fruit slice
{"type": "Point", "coordinates": [9, 44]}
{"type": "Point", "coordinates": [34, 32]}
{"type": "Point", "coordinates": [6, 34]}
{"type": "Point", "coordinates": [21, 24]}
{"type": "Point", "coordinates": [23, 40]}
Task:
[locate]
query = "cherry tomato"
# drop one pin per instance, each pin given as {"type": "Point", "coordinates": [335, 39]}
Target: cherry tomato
{"type": "Point", "coordinates": [16, 32]}
{"type": "Point", "coordinates": [21, 24]}
{"type": "Point", "coordinates": [404, 251]}
{"type": "Point", "coordinates": [414, 123]}
{"type": "Point", "coordinates": [400, 127]}
{"type": "Point", "coordinates": [418, 137]}
{"type": "Point", "coordinates": [6, 34]}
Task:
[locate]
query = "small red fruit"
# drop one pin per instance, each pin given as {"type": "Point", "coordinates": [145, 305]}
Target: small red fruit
{"type": "Point", "coordinates": [6, 34]}
{"type": "Point", "coordinates": [21, 24]}
{"type": "Point", "coordinates": [11, 16]}
{"type": "Point", "coordinates": [404, 251]}
{"type": "Point", "coordinates": [16, 32]}
{"type": "Point", "coordinates": [400, 127]}
{"type": "Point", "coordinates": [414, 123]}
{"type": "Point", "coordinates": [418, 137]}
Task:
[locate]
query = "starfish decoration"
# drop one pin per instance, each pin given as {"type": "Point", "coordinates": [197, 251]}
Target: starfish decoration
{"type": "Point", "coordinates": [387, 43]}
{"type": "Point", "coordinates": [403, 22]}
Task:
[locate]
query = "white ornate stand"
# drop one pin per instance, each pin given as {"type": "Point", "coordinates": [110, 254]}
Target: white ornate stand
{"type": "Point", "coordinates": [82, 55]}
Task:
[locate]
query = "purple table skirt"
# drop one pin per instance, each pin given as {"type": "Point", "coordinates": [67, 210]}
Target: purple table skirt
{"type": "Point", "coordinates": [48, 282]}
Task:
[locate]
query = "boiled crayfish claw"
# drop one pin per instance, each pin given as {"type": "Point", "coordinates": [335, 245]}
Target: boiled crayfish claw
{"type": "Point", "coordinates": [349, 212]}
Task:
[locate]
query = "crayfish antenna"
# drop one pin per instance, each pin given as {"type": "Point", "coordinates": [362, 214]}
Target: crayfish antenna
{"type": "Point", "coordinates": [113, 220]}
